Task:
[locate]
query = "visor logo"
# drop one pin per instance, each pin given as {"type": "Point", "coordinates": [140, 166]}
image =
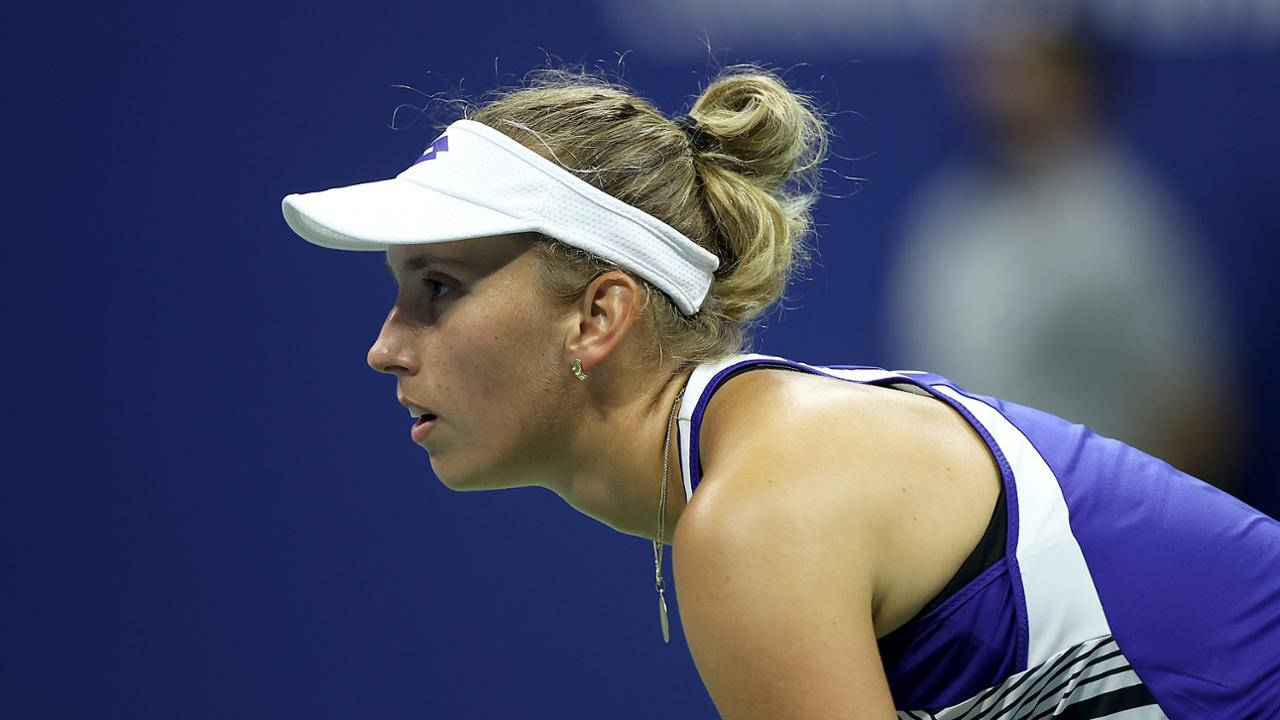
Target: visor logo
{"type": "Point", "coordinates": [440, 145]}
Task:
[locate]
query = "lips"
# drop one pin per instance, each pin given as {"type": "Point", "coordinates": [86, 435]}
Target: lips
{"type": "Point", "coordinates": [422, 427]}
{"type": "Point", "coordinates": [423, 419]}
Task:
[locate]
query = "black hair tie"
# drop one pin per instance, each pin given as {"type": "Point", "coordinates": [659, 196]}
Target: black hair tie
{"type": "Point", "coordinates": [700, 140]}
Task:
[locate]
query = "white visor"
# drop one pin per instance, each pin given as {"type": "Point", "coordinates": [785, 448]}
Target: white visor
{"type": "Point", "coordinates": [473, 181]}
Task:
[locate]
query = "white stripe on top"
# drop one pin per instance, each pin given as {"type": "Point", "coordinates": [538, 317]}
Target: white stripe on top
{"type": "Point", "coordinates": [1062, 603]}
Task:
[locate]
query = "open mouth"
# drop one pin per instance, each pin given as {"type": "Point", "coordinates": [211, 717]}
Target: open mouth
{"type": "Point", "coordinates": [425, 417]}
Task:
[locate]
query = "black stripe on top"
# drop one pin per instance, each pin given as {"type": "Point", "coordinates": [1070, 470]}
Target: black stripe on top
{"type": "Point", "coordinates": [1128, 698]}
{"type": "Point", "coordinates": [1065, 689]}
{"type": "Point", "coordinates": [1040, 676]}
{"type": "Point", "coordinates": [1067, 685]}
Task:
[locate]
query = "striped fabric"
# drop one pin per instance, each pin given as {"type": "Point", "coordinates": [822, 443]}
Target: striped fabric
{"type": "Point", "coordinates": [1091, 680]}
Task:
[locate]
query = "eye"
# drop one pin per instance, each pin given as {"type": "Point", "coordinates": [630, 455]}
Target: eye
{"type": "Point", "coordinates": [436, 288]}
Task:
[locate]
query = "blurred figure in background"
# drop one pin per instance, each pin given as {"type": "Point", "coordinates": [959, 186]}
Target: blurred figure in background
{"type": "Point", "coordinates": [1056, 274]}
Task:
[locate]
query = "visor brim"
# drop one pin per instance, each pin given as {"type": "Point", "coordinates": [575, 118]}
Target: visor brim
{"type": "Point", "coordinates": [371, 216]}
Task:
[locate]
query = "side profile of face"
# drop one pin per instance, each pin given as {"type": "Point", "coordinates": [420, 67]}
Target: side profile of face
{"type": "Point", "coordinates": [474, 341]}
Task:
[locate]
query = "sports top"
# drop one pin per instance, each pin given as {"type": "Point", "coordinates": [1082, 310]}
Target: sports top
{"type": "Point", "coordinates": [1127, 589]}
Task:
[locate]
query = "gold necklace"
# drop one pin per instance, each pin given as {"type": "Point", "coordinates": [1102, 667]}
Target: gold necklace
{"type": "Point", "coordinates": [658, 542]}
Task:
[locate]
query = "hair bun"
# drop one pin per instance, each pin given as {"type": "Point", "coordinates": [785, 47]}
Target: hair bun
{"type": "Point", "coordinates": [760, 127]}
{"type": "Point", "coordinates": [759, 181]}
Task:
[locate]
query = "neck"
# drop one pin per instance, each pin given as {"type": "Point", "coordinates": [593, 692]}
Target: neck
{"type": "Point", "coordinates": [613, 470]}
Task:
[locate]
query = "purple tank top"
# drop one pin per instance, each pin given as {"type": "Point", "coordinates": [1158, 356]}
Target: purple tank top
{"type": "Point", "coordinates": [1127, 590]}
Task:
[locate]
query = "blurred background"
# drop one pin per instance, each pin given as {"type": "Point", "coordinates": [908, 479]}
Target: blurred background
{"type": "Point", "coordinates": [212, 508]}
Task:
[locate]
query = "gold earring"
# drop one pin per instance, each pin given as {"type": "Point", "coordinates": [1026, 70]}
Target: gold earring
{"type": "Point", "coordinates": [577, 369]}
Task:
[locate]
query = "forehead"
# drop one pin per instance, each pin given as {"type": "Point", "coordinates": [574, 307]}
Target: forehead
{"type": "Point", "coordinates": [479, 256]}
{"type": "Point", "coordinates": [404, 259]}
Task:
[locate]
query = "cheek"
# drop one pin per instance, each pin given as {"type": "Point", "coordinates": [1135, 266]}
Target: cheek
{"type": "Point", "coordinates": [528, 357]}
{"type": "Point", "coordinates": [505, 412]}
{"type": "Point", "coordinates": [497, 375]}
{"type": "Point", "coordinates": [499, 368]}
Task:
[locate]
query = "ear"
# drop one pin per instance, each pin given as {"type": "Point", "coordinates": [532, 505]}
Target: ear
{"type": "Point", "coordinates": [609, 307]}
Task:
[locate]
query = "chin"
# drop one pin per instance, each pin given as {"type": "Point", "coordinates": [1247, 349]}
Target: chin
{"type": "Point", "coordinates": [459, 484]}
{"type": "Point", "coordinates": [451, 478]}
{"type": "Point", "coordinates": [462, 480]}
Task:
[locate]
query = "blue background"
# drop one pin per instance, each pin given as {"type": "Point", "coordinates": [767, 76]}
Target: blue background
{"type": "Point", "coordinates": [212, 508]}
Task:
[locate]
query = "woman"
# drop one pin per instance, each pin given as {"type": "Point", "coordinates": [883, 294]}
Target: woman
{"type": "Point", "coordinates": [575, 275]}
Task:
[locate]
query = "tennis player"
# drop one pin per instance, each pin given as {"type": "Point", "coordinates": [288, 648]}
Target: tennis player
{"type": "Point", "coordinates": [575, 275]}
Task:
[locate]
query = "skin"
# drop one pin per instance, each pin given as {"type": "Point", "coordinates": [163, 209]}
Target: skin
{"type": "Point", "coordinates": [828, 515]}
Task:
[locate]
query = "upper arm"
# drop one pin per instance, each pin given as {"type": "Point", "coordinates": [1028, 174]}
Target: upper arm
{"type": "Point", "coordinates": [777, 607]}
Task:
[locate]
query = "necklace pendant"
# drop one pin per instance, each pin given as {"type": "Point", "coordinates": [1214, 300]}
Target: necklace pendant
{"type": "Point", "coordinates": [662, 617]}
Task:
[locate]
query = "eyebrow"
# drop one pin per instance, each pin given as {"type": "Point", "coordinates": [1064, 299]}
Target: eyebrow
{"type": "Point", "coordinates": [420, 261]}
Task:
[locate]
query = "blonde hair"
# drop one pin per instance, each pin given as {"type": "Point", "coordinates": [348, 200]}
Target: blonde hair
{"type": "Point", "coordinates": [742, 191]}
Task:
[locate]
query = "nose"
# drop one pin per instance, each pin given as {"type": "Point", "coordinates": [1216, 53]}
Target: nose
{"type": "Point", "coordinates": [390, 352]}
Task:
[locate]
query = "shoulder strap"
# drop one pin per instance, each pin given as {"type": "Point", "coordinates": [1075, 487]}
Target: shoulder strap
{"type": "Point", "coordinates": [706, 378]}
{"type": "Point", "coordinates": [691, 402]}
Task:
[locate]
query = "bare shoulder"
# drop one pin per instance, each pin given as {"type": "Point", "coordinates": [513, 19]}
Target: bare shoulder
{"type": "Point", "coordinates": [828, 514]}
{"type": "Point", "coordinates": [774, 633]}
{"type": "Point", "coordinates": [842, 451]}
